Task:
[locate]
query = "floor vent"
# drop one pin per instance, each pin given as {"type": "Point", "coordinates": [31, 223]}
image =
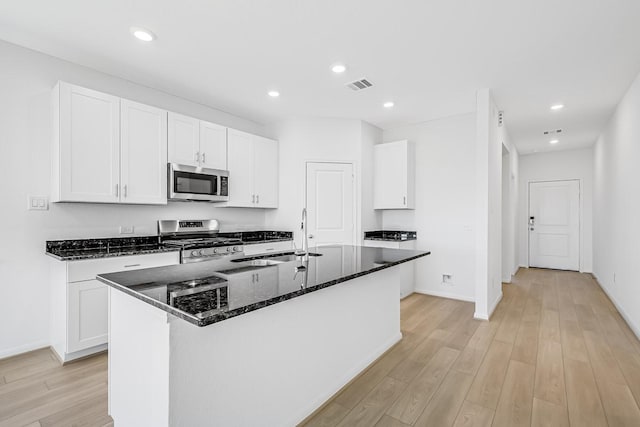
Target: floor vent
{"type": "Point", "coordinates": [359, 84]}
{"type": "Point", "coordinates": [552, 132]}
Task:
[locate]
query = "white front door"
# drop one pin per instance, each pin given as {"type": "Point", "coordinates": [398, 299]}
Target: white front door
{"type": "Point", "coordinates": [330, 204]}
{"type": "Point", "coordinates": [554, 225]}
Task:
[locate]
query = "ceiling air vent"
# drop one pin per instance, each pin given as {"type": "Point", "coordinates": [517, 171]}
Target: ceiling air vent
{"type": "Point", "coordinates": [359, 84]}
{"type": "Point", "coordinates": [552, 132]}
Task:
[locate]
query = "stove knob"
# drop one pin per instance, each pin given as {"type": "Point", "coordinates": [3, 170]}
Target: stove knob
{"type": "Point", "coordinates": [194, 253]}
{"type": "Point", "coordinates": [201, 252]}
{"type": "Point", "coordinates": [229, 249]}
{"type": "Point", "coordinates": [236, 249]}
{"type": "Point", "coordinates": [215, 251]}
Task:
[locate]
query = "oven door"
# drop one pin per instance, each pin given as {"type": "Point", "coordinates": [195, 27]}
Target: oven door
{"type": "Point", "coordinates": [200, 184]}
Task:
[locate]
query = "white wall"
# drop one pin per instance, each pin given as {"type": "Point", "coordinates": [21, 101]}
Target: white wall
{"type": "Point", "coordinates": [26, 79]}
{"type": "Point", "coordinates": [444, 216]}
{"type": "Point", "coordinates": [488, 184]}
{"type": "Point", "coordinates": [555, 166]}
{"type": "Point", "coordinates": [616, 247]}
{"type": "Point", "coordinates": [510, 199]}
{"type": "Point", "coordinates": [329, 140]}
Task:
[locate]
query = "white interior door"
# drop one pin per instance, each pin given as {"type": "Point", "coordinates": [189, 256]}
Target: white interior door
{"type": "Point", "coordinates": [554, 225]}
{"type": "Point", "coordinates": [330, 204]}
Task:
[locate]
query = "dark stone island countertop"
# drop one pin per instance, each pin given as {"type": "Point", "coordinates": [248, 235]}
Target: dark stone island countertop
{"type": "Point", "coordinates": [79, 249]}
{"type": "Point", "coordinates": [390, 235]}
{"type": "Point", "coordinates": [212, 291]}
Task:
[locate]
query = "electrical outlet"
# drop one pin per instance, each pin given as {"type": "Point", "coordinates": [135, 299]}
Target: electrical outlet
{"type": "Point", "coordinates": [126, 229]}
{"type": "Point", "coordinates": [38, 203]}
{"type": "Point", "coordinates": [446, 279]}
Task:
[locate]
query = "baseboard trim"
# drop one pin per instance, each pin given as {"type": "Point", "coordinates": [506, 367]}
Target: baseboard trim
{"type": "Point", "coordinates": [487, 316]}
{"type": "Point", "coordinates": [623, 313]}
{"type": "Point", "coordinates": [23, 349]}
{"type": "Point", "coordinates": [445, 295]}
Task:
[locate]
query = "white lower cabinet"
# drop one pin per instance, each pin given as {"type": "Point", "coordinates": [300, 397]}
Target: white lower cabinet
{"type": "Point", "coordinates": [407, 274]}
{"type": "Point", "coordinates": [80, 303]}
{"type": "Point", "coordinates": [88, 316]}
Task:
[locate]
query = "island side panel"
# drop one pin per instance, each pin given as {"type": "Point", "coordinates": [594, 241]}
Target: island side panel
{"type": "Point", "coordinates": [138, 362]}
{"type": "Point", "coordinates": [275, 366]}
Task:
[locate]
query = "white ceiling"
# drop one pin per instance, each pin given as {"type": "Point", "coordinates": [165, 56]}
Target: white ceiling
{"type": "Point", "coordinates": [429, 57]}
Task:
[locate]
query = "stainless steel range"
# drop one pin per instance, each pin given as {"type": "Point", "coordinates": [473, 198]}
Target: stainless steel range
{"type": "Point", "coordinates": [198, 240]}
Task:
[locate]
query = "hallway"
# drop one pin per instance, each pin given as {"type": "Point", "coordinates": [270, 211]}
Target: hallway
{"type": "Point", "coordinates": [556, 352]}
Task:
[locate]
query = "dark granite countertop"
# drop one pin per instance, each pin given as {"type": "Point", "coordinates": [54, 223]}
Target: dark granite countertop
{"type": "Point", "coordinates": [391, 235]}
{"type": "Point", "coordinates": [79, 249]}
{"type": "Point", "coordinates": [212, 291]}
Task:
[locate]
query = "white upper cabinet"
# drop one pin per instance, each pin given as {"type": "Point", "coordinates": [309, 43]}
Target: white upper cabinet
{"type": "Point", "coordinates": [265, 159]}
{"type": "Point", "coordinates": [107, 149]}
{"type": "Point", "coordinates": [195, 142]}
{"type": "Point", "coordinates": [240, 162]}
{"type": "Point", "coordinates": [213, 146]}
{"type": "Point", "coordinates": [253, 170]}
{"type": "Point", "coordinates": [143, 151]}
{"type": "Point", "coordinates": [394, 175]}
{"type": "Point", "coordinates": [86, 145]}
{"type": "Point", "coordinates": [184, 140]}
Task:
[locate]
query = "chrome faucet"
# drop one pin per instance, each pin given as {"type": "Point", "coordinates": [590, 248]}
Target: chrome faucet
{"type": "Point", "coordinates": [305, 235]}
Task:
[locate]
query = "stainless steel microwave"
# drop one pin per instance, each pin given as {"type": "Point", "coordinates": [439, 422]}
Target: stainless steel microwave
{"type": "Point", "coordinates": [198, 184]}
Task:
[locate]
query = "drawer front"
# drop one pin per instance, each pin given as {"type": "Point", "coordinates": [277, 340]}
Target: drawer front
{"type": "Point", "coordinates": [261, 248]}
{"type": "Point", "coordinates": [88, 269]}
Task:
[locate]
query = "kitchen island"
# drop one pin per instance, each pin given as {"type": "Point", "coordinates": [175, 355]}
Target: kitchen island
{"type": "Point", "coordinates": [248, 341]}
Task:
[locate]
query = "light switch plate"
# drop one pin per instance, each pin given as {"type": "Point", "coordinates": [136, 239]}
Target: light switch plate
{"type": "Point", "coordinates": [38, 203]}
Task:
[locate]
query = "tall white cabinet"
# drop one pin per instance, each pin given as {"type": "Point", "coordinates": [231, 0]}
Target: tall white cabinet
{"type": "Point", "coordinates": [196, 142]}
{"type": "Point", "coordinates": [107, 149]}
{"type": "Point", "coordinates": [394, 175]}
{"type": "Point", "coordinates": [253, 170]}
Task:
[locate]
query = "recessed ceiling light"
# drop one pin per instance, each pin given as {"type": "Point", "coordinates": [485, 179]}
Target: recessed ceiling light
{"type": "Point", "coordinates": [554, 141]}
{"type": "Point", "coordinates": [557, 107]}
{"type": "Point", "coordinates": [274, 93]}
{"type": "Point", "coordinates": [388, 104]}
{"type": "Point", "coordinates": [142, 34]}
{"type": "Point", "coordinates": [339, 68]}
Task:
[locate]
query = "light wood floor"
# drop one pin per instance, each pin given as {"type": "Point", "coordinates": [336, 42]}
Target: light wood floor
{"type": "Point", "coordinates": [36, 391]}
{"type": "Point", "coordinates": [555, 353]}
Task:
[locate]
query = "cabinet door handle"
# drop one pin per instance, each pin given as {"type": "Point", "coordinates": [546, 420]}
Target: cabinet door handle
{"type": "Point", "coordinates": [117, 192]}
{"type": "Point", "coordinates": [197, 156]}
{"type": "Point", "coordinates": [258, 277]}
{"type": "Point", "coordinates": [132, 265]}
{"type": "Point", "coordinates": [125, 190]}
{"type": "Point", "coordinates": [258, 199]}
{"type": "Point", "coordinates": [253, 198]}
{"type": "Point", "coordinates": [204, 158]}
{"type": "Point", "coordinates": [404, 200]}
